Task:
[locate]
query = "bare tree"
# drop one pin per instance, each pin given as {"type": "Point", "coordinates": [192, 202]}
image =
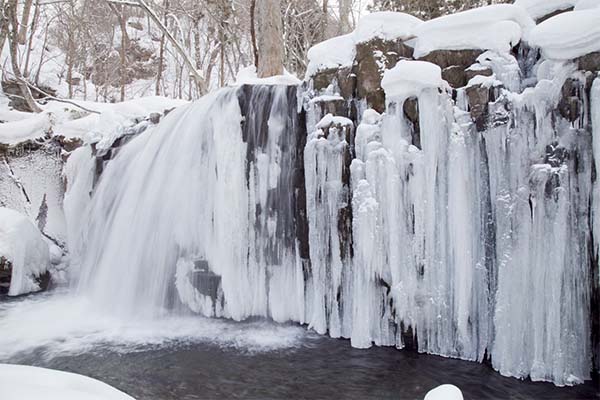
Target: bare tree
{"type": "Point", "coordinates": [11, 13]}
{"type": "Point", "coordinates": [22, 37]}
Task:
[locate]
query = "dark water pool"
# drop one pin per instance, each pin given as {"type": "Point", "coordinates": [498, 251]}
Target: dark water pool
{"type": "Point", "coordinates": [319, 368]}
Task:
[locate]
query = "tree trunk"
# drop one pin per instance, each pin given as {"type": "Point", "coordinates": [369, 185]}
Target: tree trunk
{"type": "Point", "coordinates": [11, 13]}
{"type": "Point", "coordinates": [161, 55]}
{"type": "Point", "coordinates": [253, 31]}
{"type": "Point", "coordinates": [344, 8]}
{"type": "Point", "coordinates": [25, 22]}
{"type": "Point", "coordinates": [270, 40]}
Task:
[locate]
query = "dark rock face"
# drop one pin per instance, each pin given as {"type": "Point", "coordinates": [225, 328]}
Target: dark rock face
{"type": "Point", "coordinates": [363, 79]}
{"type": "Point", "coordinates": [204, 280]}
{"type": "Point", "coordinates": [478, 97]}
{"type": "Point", "coordinates": [455, 75]}
{"type": "Point", "coordinates": [43, 280]}
{"type": "Point", "coordinates": [473, 72]}
{"type": "Point", "coordinates": [5, 274]}
{"type": "Point", "coordinates": [589, 62]}
{"type": "Point", "coordinates": [447, 58]}
{"type": "Point", "coordinates": [411, 112]}
{"type": "Point", "coordinates": [372, 58]}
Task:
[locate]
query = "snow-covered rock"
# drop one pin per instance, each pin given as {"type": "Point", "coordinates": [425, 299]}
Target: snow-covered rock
{"type": "Point", "coordinates": [568, 35]}
{"type": "Point", "coordinates": [409, 78]}
{"type": "Point", "coordinates": [22, 244]}
{"type": "Point", "coordinates": [496, 27]}
{"type": "Point", "coordinates": [386, 25]}
{"type": "Point", "coordinates": [444, 392]}
{"type": "Point", "coordinates": [540, 8]}
{"type": "Point", "coordinates": [332, 53]}
{"type": "Point", "coordinates": [21, 382]}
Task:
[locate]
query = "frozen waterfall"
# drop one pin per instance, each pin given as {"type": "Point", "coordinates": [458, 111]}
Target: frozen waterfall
{"type": "Point", "coordinates": [470, 242]}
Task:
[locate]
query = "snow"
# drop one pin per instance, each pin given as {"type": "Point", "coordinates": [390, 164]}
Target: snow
{"type": "Point", "coordinates": [23, 245]}
{"type": "Point", "coordinates": [568, 35]}
{"type": "Point", "coordinates": [410, 78]}
{"type": "Point", "coordinates": [74, 123]}
{"type": "Point", "coordinates": [497, 27]}
{"type": "Point", "coordinates": [586, 5]}
{"type": "Point", "coordinates": [21, 382]}
{"type": "Point", "coordinates": [444, 392]}
{"type": "Point", "coordinates": [386, 25]}
{"type": "Point", "coordinates": [333, 53]}
{"type": "Point", "coordinates": [541, 8]}
{"type": "Point", "coordinates": [330, 119]}
{"type": "Point", "coordinates": [36, 126]}
{"type": "Point", "coordinates": [248, 76]}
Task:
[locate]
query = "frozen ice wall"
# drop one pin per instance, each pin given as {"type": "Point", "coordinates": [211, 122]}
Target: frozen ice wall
{"type": "Point", "coordinates": [457, 222]}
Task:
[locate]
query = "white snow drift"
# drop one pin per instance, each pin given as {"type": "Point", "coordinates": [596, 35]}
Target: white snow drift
{"type": "Point", "coordinates": [22, 244]}
{"type": "Point", "coordinates": [21, 382]}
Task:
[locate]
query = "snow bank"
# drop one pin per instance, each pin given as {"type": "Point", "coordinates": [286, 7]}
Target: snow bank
{"type": "Point", "coordinates": [497, 27]}
{"type": "Point", "coordinates": [336, 52]}
{"type": "Point", "coordinates": [21, 382]}
{"type": "Point", "coordinates": [23, 245]}
{"type": "Point", "coordinates": [540, 8]}
{"type": "Point", "coordinates": [568, 35]}
{"type": "Point", "coordinates": [74, 123]}
{"type": "Point", "coordinates": [248, 76]}
{"type": "Point", "coordinates": [385, 25]}
{"type": "Point", "coordinates": [36, 126]}
{"type": "Point", "coordinates": [409, 78]}
{"type": "Point", "coordinates": [444, 392]}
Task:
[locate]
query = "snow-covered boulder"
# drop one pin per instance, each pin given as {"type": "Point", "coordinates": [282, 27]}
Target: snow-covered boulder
{"type": "Point", "coordinates": [23, 252]}
{"type": "Point", "coordinates": [568, 35]}
{"type": "Point", "coordinates": [444, 392]}
{"type": "Point", "coordinates": [21, 382]}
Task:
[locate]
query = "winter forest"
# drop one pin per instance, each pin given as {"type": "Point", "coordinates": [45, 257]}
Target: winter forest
{"type": "Point", "coordinates": [270, 199]}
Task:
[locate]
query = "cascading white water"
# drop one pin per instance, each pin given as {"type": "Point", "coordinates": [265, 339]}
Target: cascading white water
{"type": "Point", "coordinates": [192, 189]}
{"type": "Point", "coordinates": [473, 241]}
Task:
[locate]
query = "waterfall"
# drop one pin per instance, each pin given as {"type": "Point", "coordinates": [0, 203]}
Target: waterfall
{"type": "Point", "coordinates": [459, 239]}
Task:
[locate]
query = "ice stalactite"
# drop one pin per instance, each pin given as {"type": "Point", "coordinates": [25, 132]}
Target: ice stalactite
{"type": "Point", "coordinates": [327, 202]}
{"type": "Point", "coordinates": [539, 174]}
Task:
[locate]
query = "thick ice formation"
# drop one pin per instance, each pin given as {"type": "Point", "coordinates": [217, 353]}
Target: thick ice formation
{"type": "Point", "coordinates": [410, 78]}
{"type": "Point", "coordinates": [22, 244]}
{"type": "Point", "coordinates": [568, 35]}
{"type": "Point", "coordinates": [22, 382]}
{"type": "Point", "coordinates": [496, 27]}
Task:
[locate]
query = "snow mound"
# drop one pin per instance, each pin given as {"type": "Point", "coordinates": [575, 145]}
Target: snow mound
{"type": "Point", "coordinates": [23, 245]}
{"type": "Point", "coordinates": [410, 78]}
{"type": "Point", "coordinates": [21, 130]}
{"type": "Point", "coordinates": [387, 25]}
{"type": "Point", "coordinates": [540, 8]}
{"type": "Point", "coordinates": [496, 27]}
{"type": "Point", "coordinates": [444, 392]}
{"type": "Point", "coordinates": [248, 76]}
{"type": "Point", "coordinates": [568, 35]}
{"type": "Point", "coordinates": [21, 382]}
{"type": "Point", "coordinates": [330, 54]}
